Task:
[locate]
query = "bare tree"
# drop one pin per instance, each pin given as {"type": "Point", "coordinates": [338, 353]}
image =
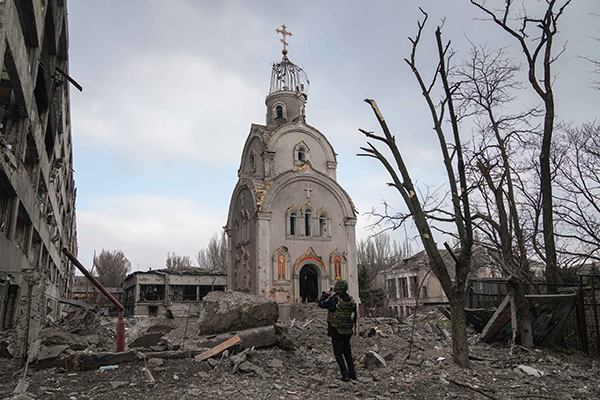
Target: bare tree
{"type": "Point", "coordinates": [380, 252]}
{"type": "Point", "coordinates": [176, 262]}
{"type": "Point", "coordinates": [535, 36]}
{"type": "Point", "coordinates": [424, 218]}
{"type": "Point", "coordinates": [112, 267]}
{"type": "Point", "coordinates": [214, 257]}
{"type": "Point", "coordinates": [578, 203]}
{"type": "Point", "coordinates": [487, 85]}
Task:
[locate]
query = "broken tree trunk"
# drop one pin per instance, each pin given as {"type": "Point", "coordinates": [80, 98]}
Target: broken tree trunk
{"type": "Point", "coordinates": [522, 308]}
{"type": "Point", "coordinates": [460, 347]}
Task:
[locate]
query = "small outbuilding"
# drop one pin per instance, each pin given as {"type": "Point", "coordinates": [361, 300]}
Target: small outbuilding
{"type": "Point", "coordinates": [179, 291]}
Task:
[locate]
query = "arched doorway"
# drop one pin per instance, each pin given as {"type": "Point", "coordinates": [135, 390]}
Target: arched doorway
{"type": "Point", "coordinates": [309, 283]}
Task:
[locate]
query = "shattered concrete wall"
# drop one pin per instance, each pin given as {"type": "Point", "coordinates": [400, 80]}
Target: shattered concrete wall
{"type": "Point", "coordinates": [37, 190]}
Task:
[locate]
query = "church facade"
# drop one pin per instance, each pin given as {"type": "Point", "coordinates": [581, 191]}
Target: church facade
{"type": "Point", "coordinates": [291, 226]}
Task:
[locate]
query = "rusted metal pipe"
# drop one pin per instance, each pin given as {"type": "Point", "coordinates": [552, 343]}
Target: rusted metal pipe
{"type": "Point", "coordinates": [120, 325]}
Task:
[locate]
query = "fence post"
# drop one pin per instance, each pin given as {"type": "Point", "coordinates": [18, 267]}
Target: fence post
{"type": "Point", "coordinates": [595, 305]}
{"type": "Point", "coordinates": [581, 322]}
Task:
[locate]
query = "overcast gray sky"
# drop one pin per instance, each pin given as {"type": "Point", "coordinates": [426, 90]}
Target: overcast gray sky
{"type": "Point", "coordinates": [171, 88]}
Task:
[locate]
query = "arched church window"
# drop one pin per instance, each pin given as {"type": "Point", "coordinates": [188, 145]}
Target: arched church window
{"type": "Point", "coordinates": [307, 220]}
{"type": "Point", "coordinates": [323, 231]}
{"type": "Point", "coordinates": [293, 218]}
{"type": "Point", "coordinates": [301, 154]}
{"type": "Point", "coordinates": [279, 112]}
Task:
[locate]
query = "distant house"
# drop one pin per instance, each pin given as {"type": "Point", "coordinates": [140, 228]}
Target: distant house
{"type": "Point", "coordinates": [178, 290]}
{"type": "Point", "coordinates": [402, 281]}
{"type": "Point", "coordinates": [85, 290]}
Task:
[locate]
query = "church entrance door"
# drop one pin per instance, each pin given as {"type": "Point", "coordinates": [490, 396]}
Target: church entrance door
{"type": "Point", "coordinates": [309, 283]}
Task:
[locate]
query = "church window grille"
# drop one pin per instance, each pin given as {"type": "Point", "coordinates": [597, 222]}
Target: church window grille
{"type": "Point", "coordinates": [307, 221]}
{"type": "Point", "coordinates": [279, 111]}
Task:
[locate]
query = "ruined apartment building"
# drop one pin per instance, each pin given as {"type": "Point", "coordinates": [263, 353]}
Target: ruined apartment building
{"type": "Point", "coordinates": [37, 191]}
{"type": "Point", "coordinates": [291, 226]}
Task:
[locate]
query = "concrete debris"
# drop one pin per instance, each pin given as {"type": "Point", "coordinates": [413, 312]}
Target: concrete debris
{"type": "Point", "coordinates": [530, 371]}
{"type": "Point", "coordinates": [53, 356]}
{"type": "Point", "coordinates": [401, 363]}
{"type": "Point", "coordinates": [53, 337]}
{"type": "Point", "coordinates": [4, 349]}
{"type": "Point", "coordinates": [372, 360]}
{"type": "Point", "coordinates": [239, 358]}
{"type": "Point", "coordinates": [230, 311]}
{"type": "Point", "coordinates": [265, 336]}
{"type": "Point", "coordinates": [247, 366]}
{"type": "Point", "coordinates": [148, 374]}
{"type": "Point", "coordinates": [156, 362]}
{"type": "Point", "coordinates": [22, 396]}
{"type": "Point", "coordinates": [275, 363]}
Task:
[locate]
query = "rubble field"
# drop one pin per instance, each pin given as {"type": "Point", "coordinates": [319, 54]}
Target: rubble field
{"type": "Point", "coordinates": [301, 366]}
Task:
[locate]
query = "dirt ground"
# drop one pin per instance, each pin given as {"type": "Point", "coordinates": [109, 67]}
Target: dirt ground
{"type": "Point", "coordinates": [310, 372]}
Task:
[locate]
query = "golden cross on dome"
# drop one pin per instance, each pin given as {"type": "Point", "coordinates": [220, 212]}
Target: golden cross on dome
{"type": "Point", "coordinates": [284, 32]}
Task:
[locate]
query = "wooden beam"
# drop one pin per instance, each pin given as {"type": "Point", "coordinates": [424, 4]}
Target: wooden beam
{"type": "Point", "coordinates": [218, 348]}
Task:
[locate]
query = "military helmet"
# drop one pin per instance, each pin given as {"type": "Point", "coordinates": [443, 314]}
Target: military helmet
{"type": "Point", "coordinates": [341, 285]}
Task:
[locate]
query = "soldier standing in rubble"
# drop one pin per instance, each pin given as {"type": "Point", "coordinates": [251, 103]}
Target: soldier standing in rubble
{"type": "Point", "coordinates": [340, 319]}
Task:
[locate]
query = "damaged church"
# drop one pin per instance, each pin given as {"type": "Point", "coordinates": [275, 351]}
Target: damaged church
{"type": "Point", "coordinates": [291, 226]}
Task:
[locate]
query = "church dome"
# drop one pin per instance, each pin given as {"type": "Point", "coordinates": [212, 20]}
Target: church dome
{"type": "Point", "coordinates": [287, 76]}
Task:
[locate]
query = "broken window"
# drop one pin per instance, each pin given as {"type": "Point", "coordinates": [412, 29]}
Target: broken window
{"type": "Point", "coordinates": [153, 311]}
{"type": "Point", "coordinates": [36, 247]}
{"type": "Point", "coordinates": [176, 292]}
{"type": "Point", "coordinates": [205, 289]}
{"type": "Point", "coordinates": [190, 292]}
{"type": "Point", "coordinates": [414, 286]}
{"type": "Point", "coordinates": [152, 292]}
{"type": "Point", "coordinates": [9, 114]}
{"type": "Point", "coordinates": [391, 288]}
{"type": "Point", "coordinates": [403, 287]}
{"type": "Point", "coordinates": [22, 231]}
{"type": "Point", "coordinates": [6, 202]}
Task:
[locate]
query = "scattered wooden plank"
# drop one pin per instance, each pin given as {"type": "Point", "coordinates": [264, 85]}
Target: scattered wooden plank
{"type": "Point", "coordinates": [492, 320]}
{"type": "Point", "coordinates": [218, 348]}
